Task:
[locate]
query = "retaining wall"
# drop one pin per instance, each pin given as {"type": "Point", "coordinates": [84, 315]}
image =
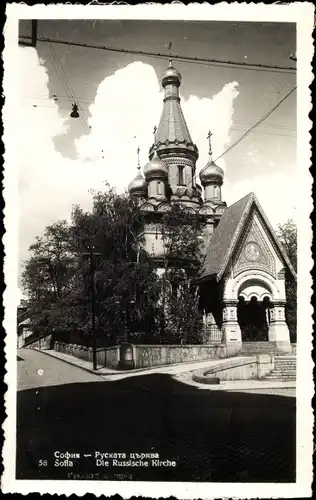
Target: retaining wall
{"type": "Point", "coordinates": [108, 356]}
{"type": "Point", "coordinates": [42, 343]}
{"type": "Point", "coordinates": [146, 356]}
{"type": "Point", "coordinates": [247, 368]}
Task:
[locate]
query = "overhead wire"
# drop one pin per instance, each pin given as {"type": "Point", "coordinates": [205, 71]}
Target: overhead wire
{"type": "Point", "coordinates": [65, 81]}
{"type": "Point", "coordinates": [233, 129]}
{"type": "Point", "coordinates": [68, 86]}
{"type": "Point", "coordinates": [196, 60]}
{"type": "Point", "coordinates": [241, 138]}
{"type": "Point", "coordinates": [241, 65]}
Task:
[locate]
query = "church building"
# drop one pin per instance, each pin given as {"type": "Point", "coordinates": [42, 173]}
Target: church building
{"type": "Point", "coordinates": [242, 277]}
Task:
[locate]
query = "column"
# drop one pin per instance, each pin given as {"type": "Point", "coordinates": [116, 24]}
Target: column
{"type": "Point", "coordinates": [230, 327]}
{"type": "Point", "coordinates": [278, 329]}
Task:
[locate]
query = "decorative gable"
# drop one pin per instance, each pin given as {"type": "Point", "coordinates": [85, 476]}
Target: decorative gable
{"type": "Point", "coordinates": [253, 252]}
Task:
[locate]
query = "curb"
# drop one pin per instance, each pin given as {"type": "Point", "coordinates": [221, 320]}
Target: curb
{"type": "Point", "coordinates": [68, 362]}
{"type": "Point", "coordinates": [122, 372]}
{"type": "Point", "coordinates": [216, 387]}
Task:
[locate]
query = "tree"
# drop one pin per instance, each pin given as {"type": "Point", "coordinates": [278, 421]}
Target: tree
{"type": "Point", "coordinates": [57, 276]}
{"type": "Point", "coordinates": [287, 234]}
{"type": "Point", "coordinates": [182, 242]}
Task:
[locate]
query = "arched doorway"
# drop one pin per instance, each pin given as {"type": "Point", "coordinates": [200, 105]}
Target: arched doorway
{"type": "Point", "coordinates": [254, 303]}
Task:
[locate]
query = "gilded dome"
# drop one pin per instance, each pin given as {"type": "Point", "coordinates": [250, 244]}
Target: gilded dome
{"type": "Point", "coordinates": [171, 75]}
{"type": "Point", "coordinates": [155, 168]}
{"type": "Point", "coordinates": [138, 185]}
{"type": "Point", "coordinates": [211, 173]}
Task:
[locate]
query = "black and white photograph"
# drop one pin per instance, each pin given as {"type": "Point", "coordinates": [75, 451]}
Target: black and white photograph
{"type": "Point", "coordinates": [158, 318]}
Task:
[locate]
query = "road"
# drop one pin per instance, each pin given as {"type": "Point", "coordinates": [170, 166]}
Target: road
{"type": "Point", "coordinates": [36, 369]}
{"type": "Point", "coordinates": [212, 436]}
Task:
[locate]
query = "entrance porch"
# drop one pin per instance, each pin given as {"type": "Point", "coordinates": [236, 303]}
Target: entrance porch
{"type": "Point", "coordinates": [251, 311]}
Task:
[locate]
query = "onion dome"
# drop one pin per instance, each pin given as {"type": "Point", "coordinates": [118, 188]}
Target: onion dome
{"type": "Point", "coordinates": [211, 172]}
{"type": "Point", "coordinates": [155, 168]}
{"type": "Point", "coordinates": [171, 75]}
{"type": "Point", "coordinates": [138, 185]}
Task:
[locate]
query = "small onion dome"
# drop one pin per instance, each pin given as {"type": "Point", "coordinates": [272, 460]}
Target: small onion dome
{"type": "Point", "coordinates": [155, 168]}
{"type": "Point", "coordinates": [211, 173]}
{"type": "Point", "coordinates": [138, 185]}
{"type": "Point", "coordinates": [171, 75]}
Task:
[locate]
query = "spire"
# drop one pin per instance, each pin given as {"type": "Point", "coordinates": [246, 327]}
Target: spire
{"type": "Point", "coordinates": [172, 132]}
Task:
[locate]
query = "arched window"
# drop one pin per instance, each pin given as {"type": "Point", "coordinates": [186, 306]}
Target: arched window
{"type": "Point", "coordinates": [181, 179]}
{"type": "Point", "coordinates": [158, 187]}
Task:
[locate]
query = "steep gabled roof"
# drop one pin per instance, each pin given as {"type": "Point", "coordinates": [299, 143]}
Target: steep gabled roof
{"type": "Point", "coordinates": [227, 234]}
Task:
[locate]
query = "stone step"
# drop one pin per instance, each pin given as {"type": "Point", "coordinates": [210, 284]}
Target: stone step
{"type": "Point", "coordinates": [274, 375]}
{"type": "Point", "coordinates": [286, 361]}
{"type": "Point", "coordinates": [287, 368]}
{"type": "Point", "coordinates": [286, 372]}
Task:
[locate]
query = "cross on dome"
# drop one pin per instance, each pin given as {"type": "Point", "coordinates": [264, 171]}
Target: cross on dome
{"type": "Point", "coordinates": [138, 161]}
{"type": "Point", "coordinates": [209, 135]}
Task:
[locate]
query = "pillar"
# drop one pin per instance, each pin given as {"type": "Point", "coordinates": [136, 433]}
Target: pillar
{"type": "Point", "coordinates": [230, 326]}
{"type": "Point", "coordinates": [278, 329]}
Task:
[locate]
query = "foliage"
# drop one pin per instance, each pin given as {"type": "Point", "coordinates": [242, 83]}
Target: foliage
{"type": "Point", "coordinates": [57, 276]}
{"type": "Point", "coordinates": [287, 234]}
{"type": "Point", "coordinates": [182, 238]}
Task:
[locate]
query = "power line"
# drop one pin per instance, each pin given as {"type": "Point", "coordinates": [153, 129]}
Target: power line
{"type": "Point", "coordinates": [264, 133]}
{"type": "Point", "coordinates": [241, 138]}
{"type": "Point", "coordinates": [91, 100]}
{"type": "Point", "coordinates": [234, 129]}
{"type": "Point", "coordinates": [65, 81]}
{"type": "Point", "coordinates": [82, 117]}
{"type": "Point", "coordinates": [198, 60]}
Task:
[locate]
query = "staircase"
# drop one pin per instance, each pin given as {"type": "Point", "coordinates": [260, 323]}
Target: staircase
{"type": "Point", "coordinates": [284, 368]}
{"type": "Point", "coordinates": [256, 348]}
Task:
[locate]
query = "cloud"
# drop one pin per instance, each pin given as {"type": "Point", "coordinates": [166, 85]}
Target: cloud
{"type": "Point", "coordinates": [49, 184]}
{"type": "Point", "coordinates": [126, 108]}
{"type": "Point", "coordinates": [213, 114]}
{"type": "Point", "coordinates": [274, 193]}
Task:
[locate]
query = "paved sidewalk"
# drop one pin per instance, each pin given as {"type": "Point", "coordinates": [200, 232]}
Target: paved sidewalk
{"type": "Point", "coordinates": [180, 371]}
{"type": "Point", "coordinates": [110, 374]}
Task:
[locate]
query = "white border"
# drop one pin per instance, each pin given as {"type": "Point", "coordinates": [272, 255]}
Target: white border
{"type": "Point", "coordinates": [303, 15]}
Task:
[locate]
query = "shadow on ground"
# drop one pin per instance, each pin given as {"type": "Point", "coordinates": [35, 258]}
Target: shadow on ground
{"type": "Point", "coordinates": [213, 436]}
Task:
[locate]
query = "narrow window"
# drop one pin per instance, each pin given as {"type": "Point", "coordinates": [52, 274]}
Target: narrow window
{"type": "Point", "coordinates": [181, 180]}
{"type": "Point", "coordinates": [159, 188]}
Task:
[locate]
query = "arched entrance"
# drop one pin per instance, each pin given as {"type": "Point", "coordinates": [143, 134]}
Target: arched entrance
{"type": "Point", "coordinates": [253, 310]}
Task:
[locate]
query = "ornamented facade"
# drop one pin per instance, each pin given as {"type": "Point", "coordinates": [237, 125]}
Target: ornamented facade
{"type": "Point", "coordinates": [244, 262]}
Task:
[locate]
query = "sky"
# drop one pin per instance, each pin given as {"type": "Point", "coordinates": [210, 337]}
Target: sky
{"type": "Point", "coordinates": [120, 102]}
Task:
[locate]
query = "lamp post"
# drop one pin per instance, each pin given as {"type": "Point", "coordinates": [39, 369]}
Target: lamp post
{"type": "Point", "coordinates": [126, 361]}
{"type": "Point", "coordinates": [91, 254]}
